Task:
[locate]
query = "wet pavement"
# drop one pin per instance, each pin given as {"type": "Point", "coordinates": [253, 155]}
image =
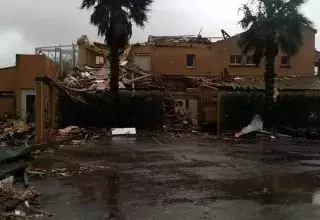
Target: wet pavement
{"type": "Point", "coordinates": [184, 178]}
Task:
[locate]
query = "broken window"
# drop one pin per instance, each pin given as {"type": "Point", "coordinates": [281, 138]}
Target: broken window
{"type": "Point", "coordinates": [99, 60]}
{"type": "Point", "coordinates": [236, 59]}
{"type": "Point", "coordinates": [285, 60]}
{"type": "Point", "coordinates": [190, 60]}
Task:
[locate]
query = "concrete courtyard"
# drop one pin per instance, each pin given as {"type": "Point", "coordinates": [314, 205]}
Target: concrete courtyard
{"type": "Point", "coordinates": [147, 178]}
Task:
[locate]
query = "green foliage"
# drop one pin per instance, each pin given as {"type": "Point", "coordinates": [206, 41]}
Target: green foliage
{"type": "Point", "coordinates": [238, 108]}
{"type": "Point", "coordinates": [271, 25]}
{"type": "Point", "coordinates": [126, 109]}
{"type": "Point", "coordinates": [298, 111]}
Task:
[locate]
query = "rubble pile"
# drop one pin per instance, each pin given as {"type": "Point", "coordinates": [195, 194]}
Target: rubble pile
{"type": "Point", "coordinates": [15, 133]}
{"type": "Point", "coordinates": [17, 203]}
{"type": "Point", "coordinates": [86, 79]}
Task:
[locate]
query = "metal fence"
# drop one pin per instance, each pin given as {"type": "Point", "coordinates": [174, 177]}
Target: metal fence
{"type": "Point", "coordinates": [64, 56]}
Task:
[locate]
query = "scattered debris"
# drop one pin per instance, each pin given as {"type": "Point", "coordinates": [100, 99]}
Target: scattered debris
{"type": "Point", "coordinates": [16, 133]}
{"type": "Point", "coordinates": [16, 202]}
{"type": "Point", "coordinates": [65, 172]}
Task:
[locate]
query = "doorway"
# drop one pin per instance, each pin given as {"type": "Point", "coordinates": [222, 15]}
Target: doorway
{"type": "Point", "coordinates": [28, 98]}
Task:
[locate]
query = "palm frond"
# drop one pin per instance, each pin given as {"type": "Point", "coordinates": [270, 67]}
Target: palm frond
{"type": "Point", "coordinates": [88, 4]}
{"type": "Point", "coordinates": [276, 23]}
{"type": "Point", "coordinates": [139, 10]}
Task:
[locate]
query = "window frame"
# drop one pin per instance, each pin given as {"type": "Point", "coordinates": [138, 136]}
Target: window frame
{"type": "Point", "coordinates": [193, 61]}
{"type": "Point", "coordinates": [236, 64]}
{"type": "Point", "coordinates": [288, 61]}
{"type": "Point", "coordinates": [100, 60]}
{"type": "Point", "coordinates": [252, 62]}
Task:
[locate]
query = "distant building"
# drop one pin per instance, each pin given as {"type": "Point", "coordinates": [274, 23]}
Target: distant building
{"type": "Point", "coordinates": [187, 55]}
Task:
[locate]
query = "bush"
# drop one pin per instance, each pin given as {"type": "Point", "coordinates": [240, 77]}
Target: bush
{"type": "Point", "coordinates": [238, 108]}
{"type": "Point", "coordinates": [298, 111]}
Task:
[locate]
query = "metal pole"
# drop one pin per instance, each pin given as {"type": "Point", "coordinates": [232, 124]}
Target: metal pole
{"type": "Point", "coordinates": [55, 55]}
{"type": "Point", "coordinates": [60, 61]}
{"type": "Point", "coordinates": [73, 55]}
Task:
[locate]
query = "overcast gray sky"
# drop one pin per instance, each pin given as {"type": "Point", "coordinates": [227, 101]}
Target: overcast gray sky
{"type": "Point", "coordinates": [26, 24]}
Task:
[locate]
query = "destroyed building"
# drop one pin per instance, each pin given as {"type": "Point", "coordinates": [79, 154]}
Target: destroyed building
{"type": "Point", "coordinates": [197, 70]}
{"type": "Point", "coordinates": [193, 70]}
{"type": "Point", "coordinates": [187, 55]}
{"type": "Point", "coordinates": [91, 53]}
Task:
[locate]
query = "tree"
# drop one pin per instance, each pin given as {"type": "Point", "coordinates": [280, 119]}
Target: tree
{"type": "Point", "coordinates": [272, 26]}
{"type": "Point", "coordinates": [114, 19]}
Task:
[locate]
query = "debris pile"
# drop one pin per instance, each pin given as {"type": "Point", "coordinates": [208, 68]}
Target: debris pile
{"type": "Point", "coordinates": [18, 203]}
{"type": "Point", "coordinates": [87, 79]}
{"type": "Point", "coordinates": [70, 130]}
{"type": "Point", "coordinates": [16, 133]}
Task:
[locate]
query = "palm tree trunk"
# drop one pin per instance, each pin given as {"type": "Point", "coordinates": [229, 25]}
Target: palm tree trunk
{"type": "Point", "coordinates": [114, 82]}
{"type": "Point", "coordinates": [114, 68]}
{"type": "Point", "coordinates": [269, 79]}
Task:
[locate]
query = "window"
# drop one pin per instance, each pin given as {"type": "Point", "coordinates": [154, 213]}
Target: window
{"type": "Point", "coordinates": [179, 103]}
{"type": "Point", "coordinates": [99, 60]}
{"type": "Point", "coordinates": [190, 60]}
{"type": "Point", "coordinates": [250, 61]}
{"type": "Point", "coordinates": [142, 61]}
{"type": "Point", "coordinates": [285, 60]}
{"type": "Point", "coordinates": [236, 60]}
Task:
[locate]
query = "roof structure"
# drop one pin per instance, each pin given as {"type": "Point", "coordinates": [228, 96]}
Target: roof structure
{"type": "Point", "coordinates": [178, 39]}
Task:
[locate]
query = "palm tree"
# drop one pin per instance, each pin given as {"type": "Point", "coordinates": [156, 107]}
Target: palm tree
{"type": "Point", "coordinates": [272, 26]}
{"type": "Point", "coordinates": [114, 19]}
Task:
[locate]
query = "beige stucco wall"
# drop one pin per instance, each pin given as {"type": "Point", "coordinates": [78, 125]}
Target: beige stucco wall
{"type": "Point", "coordinates": [87, 56]}
{"type": "Point", "coordinates": [212, 59]}
{"type": "Point", "coordinates": [23, 75]}
{"type": "Point", "coordinates": [7, 76]}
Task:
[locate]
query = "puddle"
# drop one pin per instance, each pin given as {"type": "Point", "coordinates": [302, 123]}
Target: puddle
{"type": "Point", "coordinates": [288, 189]}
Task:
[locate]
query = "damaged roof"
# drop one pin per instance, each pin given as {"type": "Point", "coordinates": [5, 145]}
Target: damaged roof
{"type": "Point", "coordinates": [291, 82]}
{"type": "Point", "coordinates": [179, 39]}
{"type": "Point", "coordinates": [96, 46]}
